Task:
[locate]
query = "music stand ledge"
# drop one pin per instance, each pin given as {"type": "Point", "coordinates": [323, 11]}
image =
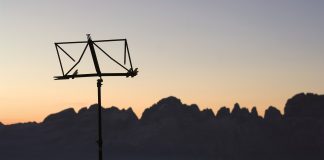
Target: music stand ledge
{"type": "Point", "coordinates": [128, 74]}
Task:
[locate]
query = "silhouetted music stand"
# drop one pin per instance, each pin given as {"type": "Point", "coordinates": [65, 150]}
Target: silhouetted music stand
{"type": "Point", "coordinates": [92, 44]}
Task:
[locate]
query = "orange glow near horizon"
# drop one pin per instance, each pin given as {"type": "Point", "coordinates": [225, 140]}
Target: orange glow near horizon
{"type": "Point", "coordinates": [211, 53]}
{"type": "Point", "coordinates": [41, 110]}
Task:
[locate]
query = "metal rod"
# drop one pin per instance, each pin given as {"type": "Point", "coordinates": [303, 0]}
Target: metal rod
{"type": "Point", "coordinates": [128, 74]}
{"type": "Point", "coordinates": [99, 84]}
{"type": "Point", "coordinates": [65, 52]}
{"type": "Point", "coordinates": [58, 54]}
{"type": "Point", "coordinates": [129, 58]}
{"type": "Point", "coordinates": [85, 48]}
{"type": "Point", "coordinates": [109, 40]}
{"type": "Point", "coordinates": [125, 52]}
{"type": "Point", "coordinates": [94, 57]}
{"type": "Point", "coordinates": [110, 57]}
{"type": "Point", "coordinates": [71, 42]}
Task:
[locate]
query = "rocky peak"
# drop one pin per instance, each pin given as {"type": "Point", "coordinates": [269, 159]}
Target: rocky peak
{"type": "Point", "coordinates": [82, 110]}
{"type": "Point", "coordinates": [240, 113]}
{"type": "Point", "coordinates": [65, 115]}
{"type": "Point", "coordinates": [207, 114]}
{"type": "Point", "coordinates": [223, 112]}
{"type": "Point", "coordinates": [272, 114]}
{"type": "Point", "coordinates": [167, 103]}
{"type": "Point", "coordinates": [305, 105]}
{"type": "Point", "coordinates": [172, 108]}
{"type": "Point", "coordinates": [166, 106]}
{"type": "Point", "coordinates": [244, 112]}
{"type": "Point", "coordinates": [254, 112]}
{"type": "Point", "coordinates": [131, 113]}
{"type": "Point", "coordinates": [113, 113]}
{"type": "Point", "coordinates": [93, 108]}
{"type": "Point", "coordinates": [193, 108]}
{"type": "Point", "coordinates": [236, 110]}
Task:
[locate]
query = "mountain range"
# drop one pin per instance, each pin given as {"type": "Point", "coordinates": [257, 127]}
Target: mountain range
{"type": "Point", "coordinates": [170, 129]}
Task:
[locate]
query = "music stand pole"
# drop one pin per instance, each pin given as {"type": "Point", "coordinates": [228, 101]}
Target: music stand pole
{"type": "Point", "coordinates": [99, 84]}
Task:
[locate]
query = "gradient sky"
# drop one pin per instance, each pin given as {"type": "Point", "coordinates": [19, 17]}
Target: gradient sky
{"type": "Point", "coordinates": [212, 53]}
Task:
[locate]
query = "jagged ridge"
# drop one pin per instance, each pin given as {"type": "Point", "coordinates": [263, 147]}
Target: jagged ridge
{"type": "Point", "coordinates": [170, 127]}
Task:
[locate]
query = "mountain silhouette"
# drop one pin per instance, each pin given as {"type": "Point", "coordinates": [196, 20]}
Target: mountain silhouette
{"type": "Point", "coordinates": [272, 114]}
{"type": "Point", "coordinates": [170, 129]}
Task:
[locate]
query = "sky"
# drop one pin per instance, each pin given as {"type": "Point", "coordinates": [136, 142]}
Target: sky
{"type": "Point", "coordinates": [212, 53]}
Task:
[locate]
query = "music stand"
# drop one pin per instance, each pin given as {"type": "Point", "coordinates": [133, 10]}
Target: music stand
{"type": "Point", "coordinates": [92, 44]}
